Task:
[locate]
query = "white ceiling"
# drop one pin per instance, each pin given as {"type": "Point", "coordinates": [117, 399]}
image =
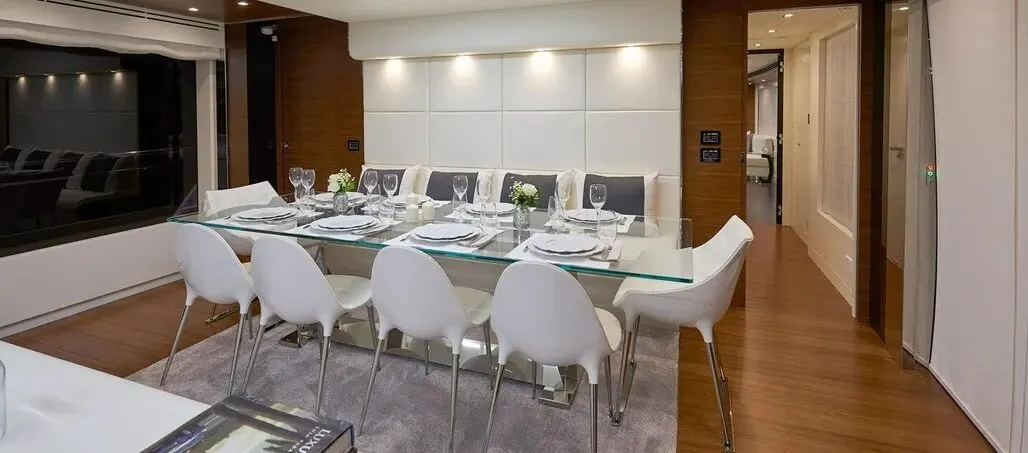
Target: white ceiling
{"type": "Point", "coordinates": [793, 30]}
{"type": "Point", "coordinates": [365, 10]}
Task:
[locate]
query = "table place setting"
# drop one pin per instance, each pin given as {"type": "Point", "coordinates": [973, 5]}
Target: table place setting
{"type": "Point", "coordinates": [473, 211]}
{"type": "Point", "coordinates": [265, 218]}
{"type": "Point", "coordinates": [447, 237]}
{"type": "Point", "coordinates": [574, 249]}
{"type": "Point", "coordinates": [345, 227]}
{"type": "Point", "coordinates": [586, 219]}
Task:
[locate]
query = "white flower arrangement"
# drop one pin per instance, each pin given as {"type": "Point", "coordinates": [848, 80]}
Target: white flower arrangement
{"type": "Point", "coordinates": [525, 195]}
{"type": "Point", "coordinates": [342, 182]}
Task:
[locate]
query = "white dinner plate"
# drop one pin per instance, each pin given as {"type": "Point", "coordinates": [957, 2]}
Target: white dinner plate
{"type": "Point", "coordinates": [599, 248]}
{"type": "Point", "coordinates": [444, 232]}
{"type": "Point", "coordinates": [565, 244]}
{"type": "Point", "coordinates": [345, 222]}
{"type": "Point", "coordinates": [589, 215]}
{"type": "Point", "coordinates": [401, 200]}
{"type": "Point", "coordinates": [501, 208]}
{"type": "Point", "coordinates": [265, 214]}
{"type": "Point", "coordinates": [326, 197]}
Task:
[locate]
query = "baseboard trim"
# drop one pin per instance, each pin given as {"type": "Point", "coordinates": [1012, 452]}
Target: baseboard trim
{"type": "Point", "coordinates": [80, 307]}
{"type": "Point", "coordinates": [915, 357]}
{"type": "Point", "coordinates": [967, 412]}
{"type": "Point", "coordinates": [837, 281]}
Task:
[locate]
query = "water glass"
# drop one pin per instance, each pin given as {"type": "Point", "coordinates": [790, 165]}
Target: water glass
{"type": "Point", "coordinates": [386, 212]}
{"type": "Point", "coordinates": [553, 208]}
{"type": "Point", "coordinates": [295, 177]}
{"type": "Point", "coordinates": [458, 207]}
{"type": "Point", "coordinates": [607, 233]}
{"type": "Point", "coordinates": [490, 221]}
{"type": "Point", "coordinates": [482, 187]}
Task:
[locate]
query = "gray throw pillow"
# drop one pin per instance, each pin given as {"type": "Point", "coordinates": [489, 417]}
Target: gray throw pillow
{"type": "Point", "coordinates": [440, 185]}
{"type": "Point", "coordinates": [625, 194]}
{"type": "Point", "coordinates": [546, 184]}
{"type": "Point", "coordinates": [381, 174]}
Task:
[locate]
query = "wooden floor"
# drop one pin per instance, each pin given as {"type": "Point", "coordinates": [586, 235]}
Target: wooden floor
{"type": "Point", "coordinates": [805, 377]}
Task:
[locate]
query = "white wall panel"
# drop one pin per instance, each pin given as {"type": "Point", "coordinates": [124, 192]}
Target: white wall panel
{"type": "Point", "coordinates": [395, 138]}
{"type": "Point", "coordinates": [544, 80]}
{"type": "Point", "coordinates": [466, 139]}
{"type": "Point", "coordinates": [634, 78]}
{"type": "Point", "coordinates": [466, 84]}
{"type": "Point", "coordinates": [396, 86]}
{"type": "Point", "coordinates": [633, 142]}
{"type": "Point", "coordinates": [669, 189]}
{"type": "Point", "coordinates": [543, 140]}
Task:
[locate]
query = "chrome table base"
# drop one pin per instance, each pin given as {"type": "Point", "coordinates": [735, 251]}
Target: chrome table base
{"type": "Point", "coordinates": [558, 384]}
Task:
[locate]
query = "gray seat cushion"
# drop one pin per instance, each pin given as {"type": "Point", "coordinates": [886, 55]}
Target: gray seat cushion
{"type": "Point", "coordinates": [381, 174]}
{"type": "Point", "coordinates": [625, 194]}
{"type": "Point", "coordinates": [546, 184]}
{"type": "Point", "coordinates": [440, 184]}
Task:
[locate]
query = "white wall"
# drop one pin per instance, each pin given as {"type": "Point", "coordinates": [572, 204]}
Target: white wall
{"type": "Point", "coordinates": [767, 109]}
{"type": "Point", "coordinates": [973, 55]}
{"type": "Point", "coordinates": [830, 245]}
{"type": "Point", "coordinates": [612, 111]}
{"type": "Point", "coordinates": [605, 23]}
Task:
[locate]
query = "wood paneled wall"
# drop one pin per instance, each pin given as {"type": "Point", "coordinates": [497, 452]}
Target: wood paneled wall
{"type": "Point", "coordinates": [238, 118]}
{"type": "Point", "coordinates": [713, 97]}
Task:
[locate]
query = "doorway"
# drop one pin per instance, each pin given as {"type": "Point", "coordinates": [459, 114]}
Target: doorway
{"type": "Point", "coordinates": [765, 84]}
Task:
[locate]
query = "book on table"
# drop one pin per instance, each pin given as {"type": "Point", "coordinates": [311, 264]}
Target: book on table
{"type": "Point", "coordinates": [240, 425]}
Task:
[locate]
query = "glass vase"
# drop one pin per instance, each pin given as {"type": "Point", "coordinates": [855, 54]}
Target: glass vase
{"type": "Point", "coordinates": [521, 217]}
{"type": "Point", "coordinates": [340, 202]}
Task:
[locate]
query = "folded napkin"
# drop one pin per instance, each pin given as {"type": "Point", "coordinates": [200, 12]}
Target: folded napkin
{"type": "Point", "coordinates": [524, 252]}
{"type": "Point", "coordinates": [624, 224]}
{"type": "Point", "coordinates": [341, 235]}
{"type": "Point", "coordinates": [480, 242]}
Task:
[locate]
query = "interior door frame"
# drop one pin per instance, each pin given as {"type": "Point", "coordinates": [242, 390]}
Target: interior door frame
{"type": "Point", "coordinates": [778, 162]}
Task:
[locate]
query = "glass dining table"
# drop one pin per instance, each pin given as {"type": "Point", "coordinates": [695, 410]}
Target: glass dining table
{"type": "Point", "coordinates": [651, 248]}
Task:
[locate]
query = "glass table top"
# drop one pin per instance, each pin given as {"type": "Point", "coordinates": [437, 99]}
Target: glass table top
{"type": "Point", "coordinates": [655, 248]}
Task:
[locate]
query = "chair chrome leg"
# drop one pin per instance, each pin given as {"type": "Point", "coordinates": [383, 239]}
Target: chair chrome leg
{"type": "Point", "coordinates": [535, 377]}
{"type": "Point", "coordinates": [455, 367]}
{"type": "Point", "coordinates": [426, 357]}
{"type": "Point", "coordinates": [492, 406]}
{"type": "Point", "coordinates": [253, 358]}
{"type": "Point", "coordinates": [324, 362]}
{"type": "Point", "coordinates": [235, 356]}
{"type": "Point", "coordinates": [592, 415]}
{"type": "Point", "coordinates": [610, 392]}
{"type": "Point", "coordinates": [174, 344]}
{"type": "Point", "coordinates": [488, 346]}
{"type": "Point", "coordinates": [374, 330]}
{"type": "Point", "coordinates": [627, 375]}
{"type": "Point", "coordinates": [371, 383]}
{"type": "Point", "coordinates": [720, 388]}
{"type": "Point", "coordinates": [632, 352]}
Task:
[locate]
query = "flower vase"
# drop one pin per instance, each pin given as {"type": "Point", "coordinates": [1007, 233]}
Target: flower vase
{"type": "Point", "coordinates": [521, 217]}
{"type": "Point", "coordinates": [340, 202]}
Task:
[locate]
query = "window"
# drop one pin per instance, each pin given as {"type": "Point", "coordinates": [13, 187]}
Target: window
{"type": "Point", "coordinates": [839, 127]}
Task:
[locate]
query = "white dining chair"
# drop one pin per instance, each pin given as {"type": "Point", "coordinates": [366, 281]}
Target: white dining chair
{"type": "Point", "coordinates": [413, 295]}
{"type": "Point", "coordinates": [291, 286]}
{"type": "Point", "coordinates": [701, 304]}
{"type": "Point", "coordinates": [227, 201]}
{"type": "Point", "coordinates": [542, 312]}
{"type": "Point", "coordinates": [211, 270]}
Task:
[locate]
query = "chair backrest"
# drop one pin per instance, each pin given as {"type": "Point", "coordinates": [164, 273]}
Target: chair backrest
{"type": "Point", "coordinates": [717, 264]}
{"type": "Point", "coordinates": [290, 284]}
{"type": "Point", "coordinates": [254, 194]}
{"type": "Point", "coordinates": [412, 293]}
{"type": "Point", "coordinates": [542, 312]}
{"type": "Point", "coordinates": [210, 268]}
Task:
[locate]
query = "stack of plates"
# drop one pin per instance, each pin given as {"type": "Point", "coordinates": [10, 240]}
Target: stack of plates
{"type": "Point", "coordinates": [325, 198]}
{"type": "Point", "coordinates": [265, 214]}
{"type": "Point", "coordinates": [401, 200]}
{"type": "Point", "coordinates": [565, 245]}
{"type": "Point", "coordinates": [501, 208]}
{"type": "Point", "coordinates": [344, 223]}
{"type": "Point", "coordinates": [444, 232]}
{"type": "Point", "coordinates": [589, 216]}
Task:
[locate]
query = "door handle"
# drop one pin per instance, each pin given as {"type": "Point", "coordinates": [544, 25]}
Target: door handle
{"type": "Point", "coordinates": [286, 146]}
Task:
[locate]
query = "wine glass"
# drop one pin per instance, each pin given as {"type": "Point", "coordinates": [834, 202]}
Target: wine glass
{"type": "Point", "coordinates": [308, 184]}
{"type": "Point", "coordinates": [370, 186]}
{"type": "Point", "coordinates": [389, 183]}
{"type": "Point", "coordinates": [482, 187]}
{"type": "Point", "coordinates": [295, 176]}
{"type": "Point", "coordinates": [553, 208]}
{"type": "Point", "coordinates": [598, 196]}
{"type": "Point", "coordinates": [460, 188]}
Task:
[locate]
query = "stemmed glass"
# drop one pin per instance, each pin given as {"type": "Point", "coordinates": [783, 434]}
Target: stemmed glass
{"type": "Point", "coordinates": [389, 183]}
{"type": "Point", "coordinates": [295, 176]}
{"type": "Point", "coordinates": [553, 208]}
{"type": "Point", "coordinates": [308, 184]}
{"type": "Point", "coordinates": [482, 187]}
{"type": "Point", "coordinates": [460, 188]}
{"type": "Point", "coordinates": [370, 186]}
{"type": "Point", "coordinates": [598, 196]}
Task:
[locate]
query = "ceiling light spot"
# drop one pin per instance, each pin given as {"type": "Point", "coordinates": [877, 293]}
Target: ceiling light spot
{"type": "Point", "coordinates": [757, 45]}
{"type": "Point", "coordinates": [194, 9]}
{"type": "Point", "coordinates": [904, 8]}
{"type": "Point", "coordinates": [243, 3]}
{"type": "Point", "coordinates": [772, 31]}
{"type": "Point", "coordinates": [788, 15]}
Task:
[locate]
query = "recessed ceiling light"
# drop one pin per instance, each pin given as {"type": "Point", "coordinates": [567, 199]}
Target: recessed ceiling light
{"type": "Point", "coordinates": [772, 31]}
{"type": "Point", "coordinates": [243, 3]}
{"type": "Point", "coordinates": [763, 80]}
{"type": "Point", "coordinates": [757, 45]}
{"type": "Point", "coordinates": [904, 8]}
{"type": "Point", "coordinates": [788, 15]}
{"type": "Point", "coordinates": [194, 9]}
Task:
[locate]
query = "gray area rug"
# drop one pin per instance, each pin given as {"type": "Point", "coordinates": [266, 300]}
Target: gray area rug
{"type": "Point", "coordinates": [410, 411]}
